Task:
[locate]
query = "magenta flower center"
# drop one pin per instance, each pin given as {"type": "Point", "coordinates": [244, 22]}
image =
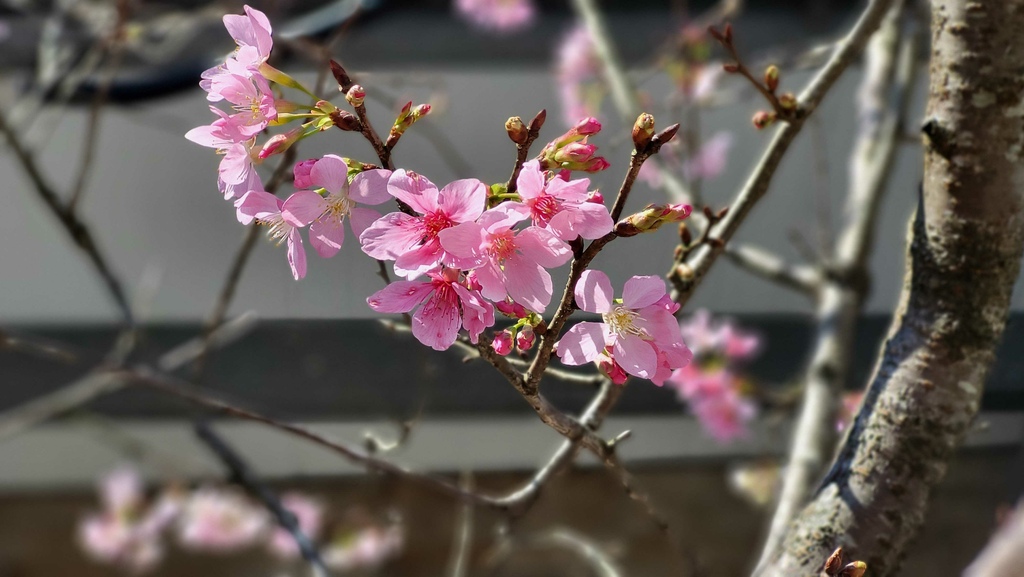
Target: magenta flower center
{"type": "Point", "coordinates": [501, 246]}
{"type": "Point", "coordinates": [622, 321]}
{"type": "Point", "coordinates": [544, 207]}
{"type": "Point", "coordinates": [434, 223]}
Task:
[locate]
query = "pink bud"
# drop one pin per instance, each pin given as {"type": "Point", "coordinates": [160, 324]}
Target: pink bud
{"type": "Point", "coordinates": [472, 282]}
{"type": "Point", "coordinates": [355, 95]}
{"type": "Point", "coordinates": [511, 309]}
{"type": "Point", "coordinates": [596, 165]}
{"type": "Point", "coordinates": [595, 196]}
{"type": "Point", "coordinates": [576, 152]}
{"type": "Point", "coordinates": [525, 338]}
{"type": "Point", "coordinates": [609, 367]}
{"type": "Point", "coordinates": [587, 126]}
{"type": "Point", "coordinates": [421, 111]}
{"type": "Point", "coordinates": [502, 343]}
{"type": "Point", "coordinates": [301, 172]}
{"type": "Point", "coordinates": [280, 143]}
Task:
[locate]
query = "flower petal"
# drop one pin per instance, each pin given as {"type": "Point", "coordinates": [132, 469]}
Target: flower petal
{"type": "Point", "coordinates": [528, 283]}
{"type": "Point", "coordinates": [581, 344]}
{"type": "Point", "coordinates": [414, 190]}
{"type": "Point", "coordinates": [642, 291]}
{"type": "Point", "coordinates": [296, 254]}
{"type": "Point", "coordinates": [400, 296]}
{"type": "Point", "coordinates": [436, 324]}
{"type": "Point", "coordinates": [636, 356]}
{"type": "Point", "coordinates": [594, 292]}
{"type": "Point", "coordinates": [361, 219]}
{"type": "Point", "coordinates": [543, 247]}
{"type": "Point", "coordinates": [464, 240]}
{"type": "Point", "coordinates": [391, 235]}
{"type": "Point", "coordinates": [330, 172]}
{"type": "Point", "coordinates": [326, 237]}
{"type": "Point", "coordinates": [530, 183]}
{"type": "Point", "coordinates": [370, 187]}
{"type": "Point", "coordinates": [303, 207]}
{"type": "Point", "coordinates": [463, 200]}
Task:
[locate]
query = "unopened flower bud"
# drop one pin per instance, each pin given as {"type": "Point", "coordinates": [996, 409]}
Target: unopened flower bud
{"type": "Point", "coordinates": [538, 120]}
{"type": "Point", "coordinates": [684, 234]}
{"type": "Point", "coordinates": [345, 120]}
{"type": "Point", "coordinates": [420, 111]}
{"type": "Point", "coordinates": [588, 126]}
{"type": "Point", "coordinates": [609, 367]}
{"type": "Point", "coordinates": [771, 77]}
{"type": "Point", "coordinates": [643, 131]}
{"type": "Point", "coordinates": [516, 130]}
{"type": "Point", "coordinates": [525, 338]}
{"type": "Point", "coordinates": [788, 101]}
{"type": "Point", "coordinates": [301, 171]}
{"type": "Point", "coordinates": [855, 569]}
{"type": "Point", "coordinates": [575, 152]}
{"type": "Point", "coordinates": [511, 309]}
{"type": "Point", "coordinates": [355, 95]}
{"type": "Point", "coordinates": [502, 343]}
{"type": "Point", "coordinates": [763, 119]}
{"type": "Point", "coordinates": [342, 78]}
{"type": "Point", "coordinates": [834, 563]}
{"type": "Point", "coordinates": [595, 196]}
{"type": "Point", "coordinates": [280, 143]}
{"type": "Point", "coordinates": [596, 164]}
{"type": "Point", "coordinates": [406, 117]}
{"type": "Point", "coordinates": [651, 218]}
{"type": "Point", "coordinates": [731, 67]}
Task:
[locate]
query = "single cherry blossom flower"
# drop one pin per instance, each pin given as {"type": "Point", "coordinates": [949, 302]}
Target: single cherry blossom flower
{"type": "Point", "coordinates": [562, 207]}
{"type": "Point", "coordinates": [237, 172]}
{"type": "Point", "coordinates": [309, 513]}
{"type": "Point", "coordinates": [265, 209]}
{"type": "Point", "coordinates": [447, 303]}
{"type": "Point", "coordinates": [220, 520]}
{"type": "Point", "coordinates": [250, 97]}
{"type": "Point", "coordinates": [252, 35]}
{"type": "Point", "coordinates": [507, 262]}
{"type": "Point", "coordinates": [725, 416]}
{"type": "Point", "coordinates": [367, 548]}
{"type": "Point", "coordinates": [326, 216]}
{"type": "Point", "coordinates": [498, 15]}
{"type": "Point", "coordinates": [412, 241]}
{"type": "Point", "coordinates": [638, 333]}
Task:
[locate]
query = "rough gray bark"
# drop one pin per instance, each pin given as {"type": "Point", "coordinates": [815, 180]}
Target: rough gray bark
{"type": "Point", "coordinates": [964, 256]}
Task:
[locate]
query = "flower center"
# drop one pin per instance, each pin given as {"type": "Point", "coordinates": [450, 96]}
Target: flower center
{"type": "Point", "coordinates": [338, 207]}
{"type": "Point", "coordinates": [277, 228]}
{"type": "Point", "coordinates": [434, 223]}
{"type": "Point", "coordinates": [501, 246]}
{"type": "Point", "coordinates": [545, 207]}
{"type": "Point", "coordinates": [622, 321]}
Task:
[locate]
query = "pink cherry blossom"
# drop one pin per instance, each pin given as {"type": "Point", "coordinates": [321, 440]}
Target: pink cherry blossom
{"type": "Point", "coordinates": [265, 209]}
{"type": "Point", "coordinates": [127, 532]}
{"type": "Point", "coordinates": [502, 343]}
{"type": "Point", "coordinates": [498, 15]}
{"type": "Point", "coordinates": [639, 334]}
{"type": "Point", "coordinates": [216, 519]}
{"type": "Point", "coordinates": [725, 416]}
{"type": "Point", "coordinates": [367, 548]}
{"type": "Point", "coordinates": [250, 97]}
{"type": "Point", "coordinates": [237, 172]}
{"type": "Point", "coordinates": [446, 303]}
{"type": "Point", "coordinates": [301, 171]}
{"type": "Point", "coordinates": [721, 338]}
{"type": "Point", "coordinates": [560, 206]}
{"type": "Point", "coordinates": [310, 515]}
{"type": "Point", "coordinates": [412, 241]}
{"type": "Point", "coordinates": [326, 216]}
{"type": "Point", "coordinates": [507, 262]}
{"type": "Point", "coordinates": [253, 35]}
{"type": "Point", "coordinates": [710, 160]}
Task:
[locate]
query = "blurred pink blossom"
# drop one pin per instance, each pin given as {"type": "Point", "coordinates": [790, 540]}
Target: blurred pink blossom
{"type": "Point", "coordinates": [709, 162]}
{"type": "Point", "coordinates": [308, 512]}
{"type": "Point", "coordinates": [366, 548]}
{"type": "Point", "coordinates": [498, 15]}
{"type": "Point", "coordinates": [215, 519]}
{"type": "Point", "coordinates": [576, 66]}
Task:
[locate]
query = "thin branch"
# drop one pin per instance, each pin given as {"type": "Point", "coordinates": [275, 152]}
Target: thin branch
{"type": "Point", "coordinates": [75, 228]}
{"type": "Point", "coordinates": [772, 267]}
{"type": "Point", "coordinates": [242, 474]}
{"type": "Point", "coordinates": [686, 276]}
{"type": "Point", "coordinates": [37, 347]}
{"type": "Point", "coordinates": [462, 548]}
{"type": "Point", "coordinates": [523, 149]}
{"type": "Point", "coordinates": [563, 538]}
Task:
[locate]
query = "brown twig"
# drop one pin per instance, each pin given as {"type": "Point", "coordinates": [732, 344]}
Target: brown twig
{"type": "Point", "coordinates": [523, 149]}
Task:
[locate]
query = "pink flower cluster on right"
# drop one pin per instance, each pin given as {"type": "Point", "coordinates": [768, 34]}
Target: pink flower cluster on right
{"type": "Point", "coordinates": [712, 385]}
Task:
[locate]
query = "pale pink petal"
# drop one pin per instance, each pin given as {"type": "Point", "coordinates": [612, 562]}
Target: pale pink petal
{"type": "Point", "coordinates": [235, 164]}
{"type": "Point", "coordinates": [588, 220]}
{"type": "Point", "coordinates": [326, 237]}
{"type": "Point", "coordinates": [361, 219]}
{"type": "Point", "coordinates": [530, 183]}
{"type": "Point", "coordinates": [642, 291]}
{"type": "Point", "coordinates": [582, 343]}
{"type": "Point", "coordinates": [463, 200]}
{"type": "Point", "coordinates": [417, 261]}
{"type": "Point", "coordinates": [400, 296]}
{"type": "Point", "coordinates": [436, 323]}
{"type": "Point", "coordinates": [574, 191]}
{"type": "Point", "coordinates": [259, 204]}
{"type": "Point", "coordinates": [262, 31]}
{"type": "Point", "coordinates": [528, 283]}
{"type": "Point", "coordinates": [635, 355]}
{"type": "Point", "coordinates": [543, 247]}
{"type": "Point", "coordinates": [296, 254]}
{"type": "Point", "coordinates": [491, 282]}
{"type": "Point", "coordinates": [330, 172]}
{"type": "Point", "coordinates": [414, 190]}
{"type": "Point", "coordinates": [370, 187]}
{"type": "Point", "coordinates": [594, 292]}
{"type": "Point", "coordinates": [465, 240]}
{"type": "Point", "coordinates": [516, 210]}
{"type": "Point", "coordinates": [502, 217]}
{"type": "Point", "coordinates": [303, 207]}
{"type": "Point", "coordinates": [477, 314]}
{"type": "Point", "coordinates": [391, 236]}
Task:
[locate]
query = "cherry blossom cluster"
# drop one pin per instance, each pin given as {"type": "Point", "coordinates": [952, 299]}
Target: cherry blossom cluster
{"type": "Point", "coordinates": [712, 385]}
{"type": "Point", "coordinates": [463, 250]}
{"type": "Point", "coordinates": [131, 531]}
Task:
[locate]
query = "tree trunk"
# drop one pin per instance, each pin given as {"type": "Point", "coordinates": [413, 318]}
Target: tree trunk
{"type": "Point", "coordinates": [963, 259]}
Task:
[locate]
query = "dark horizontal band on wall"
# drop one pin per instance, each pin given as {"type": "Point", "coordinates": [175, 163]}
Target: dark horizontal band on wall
{"type": "Point", "coordinates": [357, 369]}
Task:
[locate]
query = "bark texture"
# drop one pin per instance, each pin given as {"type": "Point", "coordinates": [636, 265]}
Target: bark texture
{"type": "Point", "coordinates": [964, 257]}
